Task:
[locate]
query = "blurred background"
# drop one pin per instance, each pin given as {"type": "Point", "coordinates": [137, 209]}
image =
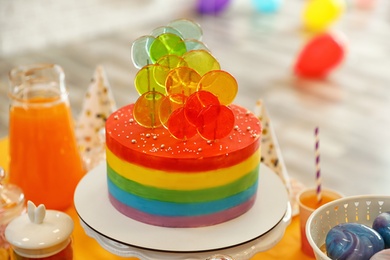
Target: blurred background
{"type": "Point", "coordinates": [259, 47]}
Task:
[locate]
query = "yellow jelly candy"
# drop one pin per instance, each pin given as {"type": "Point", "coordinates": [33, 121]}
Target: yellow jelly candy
{"type": "Point", "coordinates": [151, 78]}
{"type": "Point", "coordinates": [172, 61]}
{"type": "Point", "coordinates": [221, 84]}
{"type": "Point", "coordinates": [201, 61]}
{"type": "Point", "coordinates": [182, 80]}
{"type": "Point", "coordinates": [318, 15]}
{"type": "Point", "coordinates": [146, 109]}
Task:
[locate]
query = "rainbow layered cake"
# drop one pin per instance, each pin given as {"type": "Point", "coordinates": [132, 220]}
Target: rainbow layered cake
{"type": "Point", "coordinates": [182, 155]}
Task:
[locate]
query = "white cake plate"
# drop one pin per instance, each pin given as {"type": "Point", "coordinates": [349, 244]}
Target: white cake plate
{"type": "Point", "coordinates": [255, 231]}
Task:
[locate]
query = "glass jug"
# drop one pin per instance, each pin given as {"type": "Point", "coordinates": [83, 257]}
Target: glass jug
{"type": "Point", "coordinates": [44, 158]}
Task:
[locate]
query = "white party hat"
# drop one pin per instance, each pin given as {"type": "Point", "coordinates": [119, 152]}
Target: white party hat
{"type": "Point", "coordinates": [98, 104]}
{"type": "Point", "coordinates": [272, 156]}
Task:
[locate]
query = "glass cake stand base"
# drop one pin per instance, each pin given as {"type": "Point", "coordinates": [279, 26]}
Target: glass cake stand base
{"type": "Point", "coordinates": [259, 229]}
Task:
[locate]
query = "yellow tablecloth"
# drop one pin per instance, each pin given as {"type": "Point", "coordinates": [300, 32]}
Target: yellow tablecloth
{"type": "Point", "coordinates": [86, 248]}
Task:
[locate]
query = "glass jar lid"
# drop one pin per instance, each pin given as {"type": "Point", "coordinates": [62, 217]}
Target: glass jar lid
{"type": "Point", "coordinates": [39, 232]}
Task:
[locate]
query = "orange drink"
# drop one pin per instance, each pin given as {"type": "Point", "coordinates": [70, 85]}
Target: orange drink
{"type": "Point", "coordinates": [44, 157]}
{"type": "Point", "coordinates": [307, 200]}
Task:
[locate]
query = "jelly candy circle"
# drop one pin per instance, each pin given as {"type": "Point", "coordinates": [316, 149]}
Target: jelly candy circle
{"type": "Point", "coordinates": [215, 122]}
{"type": "Point", "coordinates": [171, 61]}
{"type": "Point", "coordinates": [165, 29]}
{"type": "Point", "coordinates": [151, 78]}
{"type": "Point", "coordinates": [182, 80]}
{"type": "Point", "coordinates": [188, 29]}
{"type": "Point", "coordinates": [195, 45]}
{"type": "Point", "coordinates": [318, 15]}
{"type": "Point", "coordinates": [201, 60]}
{"type": "Point", "coordinates": [179, 127]}
{"type": "Point", "coordinates": [164, 44]}
{"type": "Point", "coordinates": [211, 6]}
{"type": "Point", "coordinates": [168, 105]}
{"type": "Point", "coordinates": [221, 84]}
{"type": "Point", "coordinates": [140, 51]}
{"type": "Point", "coordinates": [146, 109]}
{"type": "Point", "coordinates": [196, 102]}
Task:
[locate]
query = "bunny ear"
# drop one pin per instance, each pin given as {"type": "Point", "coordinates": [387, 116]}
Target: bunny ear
{"type": "Point", "coordinates": [31, 210]}
{"type": "Point", "coordinates": [36, 214]}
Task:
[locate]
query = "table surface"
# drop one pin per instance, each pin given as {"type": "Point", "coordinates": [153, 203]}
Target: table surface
{"type": "Point", "coordinates": [351, 106]}
{"type": "Point", "coordinates": [88, 248]}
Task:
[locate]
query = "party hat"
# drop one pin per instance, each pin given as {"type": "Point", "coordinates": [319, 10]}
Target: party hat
{"type": "Point", "coordinates": [272, 156]}
{"type": "Point", "coordinates": [98, 104]}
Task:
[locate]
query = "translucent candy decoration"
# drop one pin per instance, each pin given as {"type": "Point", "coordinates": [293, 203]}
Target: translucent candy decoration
{"type": "Point", "coordinates": [179, 127]}
{"type": "Point", "coordinates": [201, 60]}
{"type": "Point", "coordinates": [146, 109]}
{"type": "Point", "coordinates": [165, 44]}
{"type": "Point", "coordinates": [140, 51]}
{"type": "Point", "coordinates": [215, 122]}
{"type": "Point", "coordinates": [221, 84]}
{"type": "Point", "coordinates": [196, 103]}
{"type": "Point", "coordinates": [195, 45]}
{"type": "Point", "coordinates": [181, 84]}
{"type": "Point", "coordinates": [187, 28]}
{"type": "Point", "coordinates": [171, 61]}
{"type": "Point", "coordinates": [182, 80]}
{"type": "Point", "coordinates": [169, 104]}
{"type": "Point", "coordinates": [165, 29]}
{"type": "Point", "coordinates": [151, 78]}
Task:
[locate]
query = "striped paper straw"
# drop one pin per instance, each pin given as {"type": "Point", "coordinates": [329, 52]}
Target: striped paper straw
{"type": "Point", "coordinates": [318, 169]}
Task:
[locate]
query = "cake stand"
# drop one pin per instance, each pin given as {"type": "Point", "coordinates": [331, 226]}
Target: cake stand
{"type": "Point", "coordinates": [257, 230]}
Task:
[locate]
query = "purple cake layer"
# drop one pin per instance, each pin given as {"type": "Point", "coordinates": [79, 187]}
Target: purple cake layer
{"type": "Point", "coordinates": [183, 222]}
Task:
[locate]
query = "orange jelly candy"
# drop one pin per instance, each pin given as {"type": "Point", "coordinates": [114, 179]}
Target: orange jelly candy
{"type": "Point", "coordinates": [146, 109]}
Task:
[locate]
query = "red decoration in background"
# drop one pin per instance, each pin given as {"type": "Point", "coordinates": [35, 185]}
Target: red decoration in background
{"type": "Point", "coordinates": [320, 55]}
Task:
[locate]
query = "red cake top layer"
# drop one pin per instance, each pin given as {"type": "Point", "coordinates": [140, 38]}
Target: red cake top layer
{"type": "Point", "coordinates": [156, 148]}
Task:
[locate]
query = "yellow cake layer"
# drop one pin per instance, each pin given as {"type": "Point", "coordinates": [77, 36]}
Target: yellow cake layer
{"type": "Point", "coordinates": [182, 180]}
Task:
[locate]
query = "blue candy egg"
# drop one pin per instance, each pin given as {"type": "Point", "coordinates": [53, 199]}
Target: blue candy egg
{"type": "Point", "coordinates": [353, 241]}
{"type": "Point", "coordinates": [382, 226]}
